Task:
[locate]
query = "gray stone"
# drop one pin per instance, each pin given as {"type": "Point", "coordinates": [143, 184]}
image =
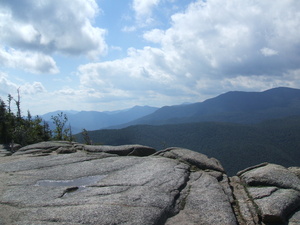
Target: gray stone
{"type": "Point", "coordinates": [122, 150]}
{"type": "Point", "coordinates": [44, 147]}
{"type": "Point", "coordinates": [64, 150]}
{"type": "Point", "coordinates": [295, 170]}
{"type": "Point", "coordinates": [193, 158]}
{"type": "Point", "coordinates": [275, 190]}
{"type": "Point", "coordinates": [295, 219]}
{"type": "Point", "coordinates": [275, 205]}
{"type": "Point", "coordinates": [40, 184]}
{"type": "Point", "coordinates": [244, 207]}
{"type": "Point", "coordinates": [205, 203]}
{"type": "Point", "coordinates": [4, 152]}
{"type": "Point", "coordinates": [133, 190]}
{"type": "Point", "coordinates": [271, 175]}
{"type": "Point", "coordinates": [261, 192]}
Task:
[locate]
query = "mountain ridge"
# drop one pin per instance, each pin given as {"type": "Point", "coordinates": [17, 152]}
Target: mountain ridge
{"type": "Point", "coordinates": [233, 106]}
{"type": "Point", "coordinates": [94, 120]}
{"type": "Point", "coordinates": [276, 141]}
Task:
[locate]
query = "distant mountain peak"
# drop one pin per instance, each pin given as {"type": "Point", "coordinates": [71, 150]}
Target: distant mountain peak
{"type": "Point", "coordinates": [233, 106]}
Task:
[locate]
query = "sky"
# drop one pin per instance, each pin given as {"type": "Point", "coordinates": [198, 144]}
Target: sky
{"type": "Point", "coordinates": [106, 55]}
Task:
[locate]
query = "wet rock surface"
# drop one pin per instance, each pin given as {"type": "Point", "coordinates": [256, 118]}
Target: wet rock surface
{"type": "Point", "coordinates": [71, 183]}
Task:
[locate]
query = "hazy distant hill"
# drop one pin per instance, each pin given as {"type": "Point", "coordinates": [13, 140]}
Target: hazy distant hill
{"type": "Point", "coordinates": [237, 107]}
{"type": "Point", "coordinates": [236, 145]}
{"type": "Point", "coordinates": [93, 120]}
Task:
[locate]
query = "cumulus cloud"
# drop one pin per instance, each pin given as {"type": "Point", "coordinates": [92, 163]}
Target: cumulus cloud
{"type": "Point", "coordinates": [212, 46]}
{"type": "Point", "coordinates": [32, 88]}
{"type": "Point", "coordinates": [6, 86]}
{"type": "Point", "coordinates": [9, 87]}
{"type": "Point", "coordinates": [226, 37]}
{"type": "Point", "coordinates": [45, 27]}
{"type": "Point", "coordinates": [154, 35]}
{"type": "Point", "coordinates": [33, 62]}
{"type": "Point", "coordinates": [143, 9]}
{"type": "Point", "coordinates": [52, 26]}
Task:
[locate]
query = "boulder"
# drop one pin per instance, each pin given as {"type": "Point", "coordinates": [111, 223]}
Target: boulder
{"type": "Point", "coordinates": [108, 190]}
{"type": "Point", "coordinates": [131, 184]}
{"type": "Point", "coordinates": [295, 170]}
{"type": "Point", "coordinates": [205, 202]}
{"type": "Point", "coordinates": [271, 175]}
{"type": "Point", "coordinates": [295, 219]}
{"type": "Point", "coordinates": [275, 190]}
{"type": "Point", "coordinates": [65, 150]}
{"type": "Point", "coordinates": [198, 160]}
{"type": "Point", "coordinates": [44, 147]}
{"type": "Point", "coordinates": [122, 150]}
{"type": "Point", "coordinates": [275, 205]}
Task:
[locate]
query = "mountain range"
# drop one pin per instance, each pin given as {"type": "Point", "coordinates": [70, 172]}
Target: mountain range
{"type": "Point", "coordinates": [93, 120]}
{"type": "Point", "coordinates": [235, 107]}
{"type": "Point", "coordinates": [239, 128]}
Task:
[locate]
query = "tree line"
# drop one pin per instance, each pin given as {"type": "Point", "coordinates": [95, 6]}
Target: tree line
{"type": "Point", "coordinates": [25, 130]}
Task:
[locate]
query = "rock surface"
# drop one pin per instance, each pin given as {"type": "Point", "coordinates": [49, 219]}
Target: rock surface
{"type": "Point", "coordinates": [275, 190]}
{"type": "Point", "coordinates": [71, 183]}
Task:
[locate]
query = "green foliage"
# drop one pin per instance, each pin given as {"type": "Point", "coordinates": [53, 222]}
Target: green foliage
{"type": "Point", "coordinates": [60, 131]}
{"type": "Point", "coordinates": [86, 137]}
{"type": "Point", "coordinates": [16, 129]}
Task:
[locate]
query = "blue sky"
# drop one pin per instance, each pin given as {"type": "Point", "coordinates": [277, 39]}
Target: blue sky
{"type": "Point", "coordinates": [109, 55]}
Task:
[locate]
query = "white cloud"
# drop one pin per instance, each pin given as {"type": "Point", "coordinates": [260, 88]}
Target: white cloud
{"type": "Point", "coordinates": [32, 89]}
{"type": "Point", "coordinates": [217, 37]}
{"type": "Point", "coordinates": [129, 28]}
{"type": "Point", "coordinates": [143, 12]}
{"type": "Point", "coordinates": [52, 26]}
{"type": "Point", "coordinates": [9, 87]}
{"type": "Point", "coordinates": [212, 46]}
{"type": "Point", "coordinates": [154, 35]}
{"type": "Point", "coordinates": [143, 8]}
{"type": "Point", "coordinates": [6, 86]}
{"type": "Point", "coordinates": [31, 28]}
{"type": "Point", "coordinates": [268, 52]}
{"type": "Point", "coordinates": [30, 93]}
{"type": "Point", "coordinates": [33, 62]}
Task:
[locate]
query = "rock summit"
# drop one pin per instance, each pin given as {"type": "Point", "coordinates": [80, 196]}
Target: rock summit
{"type": "Point", "coordinates": [71, 183]}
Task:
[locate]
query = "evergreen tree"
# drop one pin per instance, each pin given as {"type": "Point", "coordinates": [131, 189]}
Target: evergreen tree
{"type": "Point", "coordinates": [16, 129]}
{"type": "Point", "coordinates": [3, 128]}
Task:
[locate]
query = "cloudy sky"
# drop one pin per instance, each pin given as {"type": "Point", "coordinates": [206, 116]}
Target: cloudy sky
{"type": "Point", "coordinates": [114, 54]}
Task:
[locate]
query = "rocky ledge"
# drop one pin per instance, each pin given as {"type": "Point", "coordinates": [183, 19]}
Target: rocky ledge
{"type": "Point", "coordinates": [71, 183]}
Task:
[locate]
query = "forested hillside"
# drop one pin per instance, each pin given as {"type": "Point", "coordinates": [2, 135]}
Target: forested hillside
{"type": "Point", "coordinates": [235, 106]}
{"type": "Point", "coordinates": [236, 146]}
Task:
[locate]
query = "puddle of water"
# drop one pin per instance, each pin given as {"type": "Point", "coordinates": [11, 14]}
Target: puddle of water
{"type": "Point", "coordinates": [79, 182]}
